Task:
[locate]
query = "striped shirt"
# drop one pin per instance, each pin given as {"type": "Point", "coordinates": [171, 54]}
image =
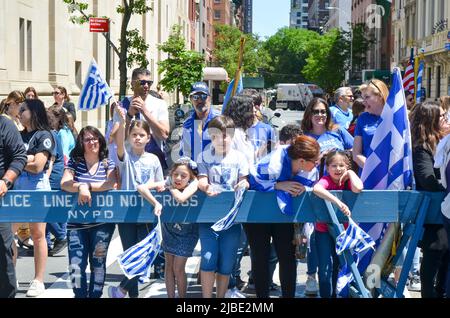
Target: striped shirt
{"type": "Point", "coordinates": [82, 174]}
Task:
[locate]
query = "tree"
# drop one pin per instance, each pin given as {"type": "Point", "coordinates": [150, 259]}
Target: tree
{"type": "Point", "coordinates": [327, 60]}
{"type": "Point", "coordinates": [226, 51]}
{"type": "Point", "coordinates": [182, 67]}
{"type": "Point", "coordinates": [362, 42]}
{"type": "Point", "coordinates": [288, 49]}
{"type": "Point", "coordinates": [132, 49]}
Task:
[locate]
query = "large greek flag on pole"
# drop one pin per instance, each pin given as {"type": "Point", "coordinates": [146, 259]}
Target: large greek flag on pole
{"type": "Point", "coordinates": [137, 260]}
{"type": "Point", "coordinates": [95, 92]}
{"type": "Point", "coordinates": [389, 163]}
{"type": "Point", "coordinates": [227, 97]}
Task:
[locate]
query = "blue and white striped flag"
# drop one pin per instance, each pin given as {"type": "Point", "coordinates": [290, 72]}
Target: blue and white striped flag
{"type": "Point", "coordinates": [227, 221]}
{"type": "Point", "coordinates": [95, 92]}
{"type": "Point", "coordinates": [137, 260]}
{"type": "Point", "coordinates": [354, 238]}
{"type": "Point", "coordinates": [389, 163]}
{"type": "Point", "coordinates": [419, 82]}
{"type": "Point", "coordinates": [227, 97]}
{"type": "Point", "coordinates": [277, 167]}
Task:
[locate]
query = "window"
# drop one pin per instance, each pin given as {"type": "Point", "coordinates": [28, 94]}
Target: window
{"type": "Point", "coordinates": [22, 44]}
{"type": "Point", "coordinates": [429, 83]}
{"type": "Point", "coordinates": [299, 21]}
{"type": "Point", "coordinates": [203, 29]}
{"type": "Point", "coordinates": [438, 82]}
{"type": "Point", "coordinates": [78, 74]}
{"type": "Point", "coordinates": [299, 14]}
{"type": "Point", "coordinates": [25, 45]}
{"type": "Point", "coordinates": [217, 14]}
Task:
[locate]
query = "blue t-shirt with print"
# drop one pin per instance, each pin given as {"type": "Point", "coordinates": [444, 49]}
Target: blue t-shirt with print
{"type": "Point", "coordinates": [365, 128]}
{"type": "Point", "coordinates": [339, 139]}
{"type": "Point", "coordinates": [340, 117]}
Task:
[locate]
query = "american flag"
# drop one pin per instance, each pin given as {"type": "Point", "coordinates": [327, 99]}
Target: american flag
{"type": "Point", "coordinates": [408, 80]}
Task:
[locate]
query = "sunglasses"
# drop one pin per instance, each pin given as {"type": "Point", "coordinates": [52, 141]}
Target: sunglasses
{"type": "Point", "coordinates": [143, 82]}
{"type": "Point", "coordinates": [88, 140]}
{"type": "Point", "coordinates": [379, 90]}
{"type": "Point", "coordinates": [56, 93]}
{"type": "Point", "coordinates": [318, 112]}
{"type": "Point", "coordinates": [199, 96]}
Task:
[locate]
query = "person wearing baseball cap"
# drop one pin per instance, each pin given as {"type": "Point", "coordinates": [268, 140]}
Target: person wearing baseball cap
{"type": "Point", "coordinates": [195, 135]}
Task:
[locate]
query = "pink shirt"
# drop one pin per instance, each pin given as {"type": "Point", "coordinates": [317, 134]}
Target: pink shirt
{"type": "Point", "coordinates": [329, 184]}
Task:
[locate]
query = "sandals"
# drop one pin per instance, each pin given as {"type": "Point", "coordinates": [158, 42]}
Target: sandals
{"type": "Point", "coordinates": [25, 243]}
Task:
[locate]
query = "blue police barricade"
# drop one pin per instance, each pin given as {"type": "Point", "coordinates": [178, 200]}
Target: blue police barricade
{"type": "Point", "coordinates": [411, 208]}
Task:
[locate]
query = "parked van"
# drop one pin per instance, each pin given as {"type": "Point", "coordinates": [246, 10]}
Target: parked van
{"type": "Point", "coordinates": [293, 96]}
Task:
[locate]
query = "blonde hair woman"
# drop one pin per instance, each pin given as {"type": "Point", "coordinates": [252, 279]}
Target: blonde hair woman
{"type": "Point", "coordinates": [374, 94]}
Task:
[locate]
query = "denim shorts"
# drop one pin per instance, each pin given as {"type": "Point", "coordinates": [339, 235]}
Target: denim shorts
{"type": "Point", "coordinates": [179, 239]}
{"type": "Point", "coordinates": [219, 249]}
{"type": "Point", "coordinates": [31, 181]}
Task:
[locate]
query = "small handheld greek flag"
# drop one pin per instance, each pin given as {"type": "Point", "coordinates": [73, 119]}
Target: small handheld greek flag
{"type": "Point", "coordinates": [354, 238]}
{"type": "Point", "coordinates": [227, 221]}
{"type": "Point", "coordinates": [137, 260]}
{"type": "Point", "coordinates": [95, 92]}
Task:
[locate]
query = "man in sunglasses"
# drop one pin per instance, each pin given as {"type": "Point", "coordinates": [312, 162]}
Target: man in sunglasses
{"type": "Point", "coordinates": [195, 136]}
{"type": "Point", "coordinates": [341, 112]}
{"type": "Point", "coordinates": [153, 110]}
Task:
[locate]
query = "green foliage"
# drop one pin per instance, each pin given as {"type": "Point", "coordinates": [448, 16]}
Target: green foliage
{"type": "Point", "coordinates": [288, 49]}
{"type": "Point", "coordinates": [137, 49]}
{"type": "Point", "coordinates": [362, 42]}
{"type": "Point", "coordinates": [226, 51]}
{"type": "Point", "coordinates": [327, 60]}
{"type": "Point", "coordinates": [182, 67]}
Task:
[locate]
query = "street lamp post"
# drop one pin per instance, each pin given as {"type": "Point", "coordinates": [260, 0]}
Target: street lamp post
{"type": "Point", "coordinates": [351, 42]}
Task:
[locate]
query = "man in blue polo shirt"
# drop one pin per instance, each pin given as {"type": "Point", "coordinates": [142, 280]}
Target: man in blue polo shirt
{"type": "Point", "coordinates": [341, 112]}
{"type": "Point", "coordinates": [195, 136]}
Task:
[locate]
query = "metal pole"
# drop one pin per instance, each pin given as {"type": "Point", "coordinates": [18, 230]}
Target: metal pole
{"type": "Point", "coordinates": [108, 63]}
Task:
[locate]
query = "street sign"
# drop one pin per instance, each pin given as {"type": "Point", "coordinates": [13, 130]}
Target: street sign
{"type": "Point", "coordinates": [98, 25]}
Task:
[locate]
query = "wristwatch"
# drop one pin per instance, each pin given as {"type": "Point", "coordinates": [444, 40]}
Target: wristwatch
{"type": "Point", "coordinates": [8, 183]}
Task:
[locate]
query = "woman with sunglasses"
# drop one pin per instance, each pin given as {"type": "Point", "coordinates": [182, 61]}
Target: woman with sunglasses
{"type": "Point", "coordinates": [317, 123]}
{"type": "Point", "coordinates": [89, 170]}
{"type": "Point", "coordinates": [40, 146]}
{"type": "Point", "coordinates": [62, 99]}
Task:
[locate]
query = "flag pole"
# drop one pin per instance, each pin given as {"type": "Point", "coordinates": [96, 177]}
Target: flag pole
{"type": "Point", "coordinates": [239, 69]}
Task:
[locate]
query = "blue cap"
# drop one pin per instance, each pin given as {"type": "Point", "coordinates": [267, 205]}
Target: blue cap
{"type": "Point", "coordinates": [199, 87]}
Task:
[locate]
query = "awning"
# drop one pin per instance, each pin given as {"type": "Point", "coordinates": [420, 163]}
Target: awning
{"type": "Point", "coordinates": [215, 74]}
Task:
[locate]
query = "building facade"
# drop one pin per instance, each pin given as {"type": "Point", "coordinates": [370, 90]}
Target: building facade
{"type": "Point", "coordinates": [318, 14]}
{"type": "Point", "coordinates": [299, 14]}
{"type": "Point", "coordinates": [424, 26]}
{"type": "Point", "coordinates": [340, 14]}
{"type": "Point", "coordinates": [40, 47]}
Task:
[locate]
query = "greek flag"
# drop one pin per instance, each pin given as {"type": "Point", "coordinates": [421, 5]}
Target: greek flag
{"type": "Point", "coordinates": [419, 83]}
{"type": "Point", "coordinates": [277, 167]}
{"type": "Point", "coordinates": [227, 97]}
{"type": "Point", "coordinates": [95, 92]}
{"type": "Point", "coordinates": [227, 221]}
{"type": "Point", "coordinates": [354, 238]}
{"type": "Point", "coordinates": [389, 163]}
{"type": "Point", "coordinates": [137, 260]}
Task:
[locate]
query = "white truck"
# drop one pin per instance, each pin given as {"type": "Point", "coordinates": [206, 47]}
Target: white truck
{"type": "Point", "coordinates": [293, 96]}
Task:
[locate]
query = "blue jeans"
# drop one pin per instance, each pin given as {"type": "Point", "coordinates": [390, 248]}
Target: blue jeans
{"type": "Point", "coordinates": [328, 264]}
{"type": "Point", "coordinates": [219, 249]}
{"type": "Point", "coordinates": [59, 231]}
{"type": "Point", "coordinates": [91, 243]}
{"type": "Point", "coordinates": [311, 256]}
{"type": "Point", "coordinates": [131, 234]}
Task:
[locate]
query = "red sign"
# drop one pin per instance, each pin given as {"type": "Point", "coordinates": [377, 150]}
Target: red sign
{"type": "Point", "coordinates": [98, 25]}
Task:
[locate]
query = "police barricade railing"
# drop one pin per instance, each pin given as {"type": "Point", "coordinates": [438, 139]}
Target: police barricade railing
{"type": "Point", "coordinates": [257, 207]}
{"type": "Point", "coordinates": [411, 208]}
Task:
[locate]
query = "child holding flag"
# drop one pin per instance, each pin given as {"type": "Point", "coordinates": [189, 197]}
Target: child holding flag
{"type": "Point", "coordinates": [179, 239]}
{"type": "Point", "coordinates": [137, 167]}
{"type": "Point", "coordinates": [220, 168]}
{"type": "Point", "coordinates": [339, 177]}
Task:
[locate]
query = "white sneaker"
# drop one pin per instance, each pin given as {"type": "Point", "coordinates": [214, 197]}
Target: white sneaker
{"type": "Point", "coordinates": [311, 288]}
{"type": "Point", "coordinates": [36, 288]}
{"type": "Point", "coordinates": [234, 293]}
{"type": "Point", "coordinates": [414, 283]}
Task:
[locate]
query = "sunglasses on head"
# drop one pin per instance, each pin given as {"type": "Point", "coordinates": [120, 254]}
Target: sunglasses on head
{"type": "Point", "coordinates": [319, 112]}
{"type": "Point", "coordinates": [199, 96]}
